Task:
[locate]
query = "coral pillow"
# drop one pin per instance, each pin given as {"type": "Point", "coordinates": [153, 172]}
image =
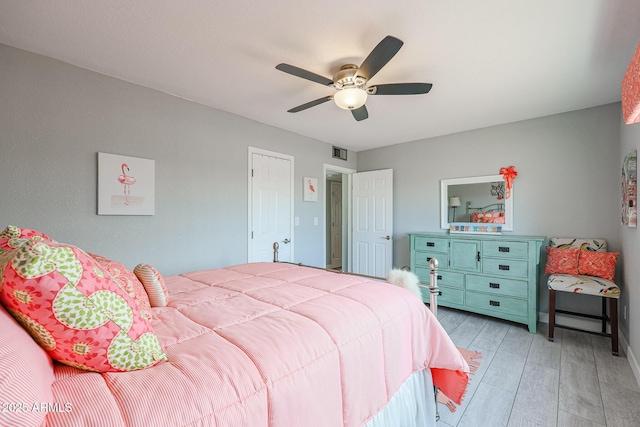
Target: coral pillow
{"type": "Point", "coordinates": [75, 310]}
{"type": "Point", "coordinates": [488, 217]}
{"type": "Point", "coordinates": [154, 284]}
{"type": "Point", "coordinates": [128, 282]}
{"type": "Point", "coordinates": [598, 264]}
{"type": "Point", "coordinates": [562, 261]}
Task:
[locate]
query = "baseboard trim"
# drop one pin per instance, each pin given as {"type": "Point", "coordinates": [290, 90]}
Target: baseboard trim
{"type": "Point", "coordinates": [631, 357]}
{"type": "Point", "coordinates": [595, 326]}
{"type": "Point", "coordinates": [591, 325]}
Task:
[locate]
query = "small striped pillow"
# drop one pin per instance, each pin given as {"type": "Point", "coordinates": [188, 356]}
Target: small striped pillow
{"type": "Point", "coordinates": [153, 284]}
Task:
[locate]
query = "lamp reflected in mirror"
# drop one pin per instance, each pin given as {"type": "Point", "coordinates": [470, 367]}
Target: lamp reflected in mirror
{"type": "Point", "coordinates": [454, 202]}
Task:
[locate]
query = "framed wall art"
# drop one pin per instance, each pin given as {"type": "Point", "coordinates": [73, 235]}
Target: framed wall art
{"type": "Point", "coordinates": [310, 186]}
{"type": "Point", "coordinates": [126, 185]}
{"type": "Point", "coordinates": [629, 183]}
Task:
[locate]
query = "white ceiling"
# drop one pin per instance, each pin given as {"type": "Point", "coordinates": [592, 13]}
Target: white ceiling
{"type": "Point", "coordinates": [490, 61]}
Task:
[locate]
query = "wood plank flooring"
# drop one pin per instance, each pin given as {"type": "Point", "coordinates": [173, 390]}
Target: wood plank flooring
{"type": "Point", "coordinates": [525, 380]}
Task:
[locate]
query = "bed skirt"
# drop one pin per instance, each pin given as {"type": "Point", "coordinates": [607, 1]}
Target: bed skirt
{"type": "Point", "coordinates": [413, 405]}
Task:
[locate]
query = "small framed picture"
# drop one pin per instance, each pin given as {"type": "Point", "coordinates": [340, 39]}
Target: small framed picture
{"type": "Point", "coordinates": [310, 189]}
{"type": "Point", "coordinates": [630, 189]}
{"type": "Point", "coordinates": [126, 185]}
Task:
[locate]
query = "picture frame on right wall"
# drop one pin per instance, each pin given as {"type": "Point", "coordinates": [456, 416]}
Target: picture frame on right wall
{"type": "Point", "coordinates": [629, 181]}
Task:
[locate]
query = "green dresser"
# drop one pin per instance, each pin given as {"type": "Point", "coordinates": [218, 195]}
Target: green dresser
{"type": "Point", "coordinates": [492, 275]}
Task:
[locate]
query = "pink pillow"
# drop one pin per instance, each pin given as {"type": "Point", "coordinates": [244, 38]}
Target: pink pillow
{"type": "Point", "coordinates": [75, 310]}
{"type": "Point", "coordinates": [488, 217]}
{"type": "Point", "coordinates": [598, 264]}
{"type": "Point", "coordinates": [154, 284]}
{"type": "Point", "coordinates": [562, 261]}
{"type": "Point", "coordinates": [128, 282]}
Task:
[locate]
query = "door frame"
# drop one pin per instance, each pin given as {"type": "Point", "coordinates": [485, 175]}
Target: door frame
{"type": "Point", "coordinates": [251, 152]}
{"type": "Point", "coordinates": [336, 186]}
{"type": "Point", "coordinates": [346, 225]}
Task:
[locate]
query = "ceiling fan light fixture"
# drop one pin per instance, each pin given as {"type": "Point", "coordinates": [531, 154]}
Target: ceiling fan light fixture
{"type": "Point", "coordinates": [350, 98]}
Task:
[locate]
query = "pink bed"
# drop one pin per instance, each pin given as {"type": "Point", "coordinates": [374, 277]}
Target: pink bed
{"type": "Point", "coordinates": [261, 344]}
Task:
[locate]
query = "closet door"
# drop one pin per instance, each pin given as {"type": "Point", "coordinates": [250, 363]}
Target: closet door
{"type": "Point", "coordinates": [270, 206]}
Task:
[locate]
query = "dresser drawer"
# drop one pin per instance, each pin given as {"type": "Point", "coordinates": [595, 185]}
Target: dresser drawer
{"type": "Point", "coordinates": [432, 244]}
{"type": "Point", "coordinates": [497, 285]}
{"type": "Point", "coordinates": [446, 295]}
{"type": "Point", "coordinates": [496, 303]}
{"type": "Point", "coordinates": [505, 249]}
{"type": "Point", "coordinates": [505, 267]}
{"type": "Point", "coordinates": [423, 258]}
{"type": "Point", "coordinates": [445, 277]}
{"type": "Point", "coordinates": [450, 278]}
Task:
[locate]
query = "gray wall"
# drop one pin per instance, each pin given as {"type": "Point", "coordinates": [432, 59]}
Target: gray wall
{"type": "Point", "coordinates": [55, 117]}
{"type": "Point", "coordinates": [630, 140]}
{"type": "Point", "coordinates": [568, 181]}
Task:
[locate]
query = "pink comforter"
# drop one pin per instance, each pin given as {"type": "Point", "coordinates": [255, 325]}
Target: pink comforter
{"type": "Point", "coordinates": [269, 344]}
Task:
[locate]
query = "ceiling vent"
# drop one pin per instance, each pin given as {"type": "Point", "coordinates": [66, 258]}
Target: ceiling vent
{"type": "Point", "coordinates": [339, 153]}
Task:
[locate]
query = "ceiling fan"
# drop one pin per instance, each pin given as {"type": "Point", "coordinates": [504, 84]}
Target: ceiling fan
{"type": "Point", "coordinates": [350, 82]}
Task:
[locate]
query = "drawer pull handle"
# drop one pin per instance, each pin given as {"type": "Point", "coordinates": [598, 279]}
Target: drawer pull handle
{"type": "Point", "coordinates": [440, 293]}
{"type": "Point", "coordinates": [439, 277]}
{"type": "Point", "coordinates": [503, 267]}
{"type": "Point", "coordinates": [428, 258]}
{"type": "Point", "coordinates": [494, 285]}
{"type": "Point", "coordinates": [503, 249]}
{"type": "Point", "coordinates": [430, 244]}
{"type": "Point", "coordinates": [494, 303]}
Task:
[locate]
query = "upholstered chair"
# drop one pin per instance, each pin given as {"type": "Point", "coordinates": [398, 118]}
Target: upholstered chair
{"type": "Point", "coordinates": [583, 266]}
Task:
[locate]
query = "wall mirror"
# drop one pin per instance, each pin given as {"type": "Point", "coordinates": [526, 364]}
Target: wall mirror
{"type": "Point", "coordinates": [476, 199]}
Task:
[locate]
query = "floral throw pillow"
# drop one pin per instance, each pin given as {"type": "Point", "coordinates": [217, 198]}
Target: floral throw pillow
{"type": "Point", "coordinates": [153, 283]}
{"type": "Point", "coordinates": [128, 282]}
{"type": "Point", "coordinates": [598, 264]}
{"type": "Point", "coordinates": [74, 309]}
{"type": "Point", "coordinates": [562, 261]}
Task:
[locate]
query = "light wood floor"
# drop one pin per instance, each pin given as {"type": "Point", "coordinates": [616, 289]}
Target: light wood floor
{"type": "Point", "coordinates": [525, 380]}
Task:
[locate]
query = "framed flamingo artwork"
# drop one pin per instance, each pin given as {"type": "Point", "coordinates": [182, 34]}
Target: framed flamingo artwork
{"type": "Point", "coordinates": [630, 189]}
{"type": "Point", "coordinates": [310, 186]}
{"type": "Point", "coordinates": [126, 185]}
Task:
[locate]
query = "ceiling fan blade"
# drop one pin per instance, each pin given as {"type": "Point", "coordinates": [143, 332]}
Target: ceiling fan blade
{"type": "Point", "coordinates": [310, 104]}
{"type": "Point", "coordinates": [299, 72]}
{"type": "Point", "coordinates": [360, 113]}
{"type": "Point", "coordinates": [400, 89]}
{"type": "Point", "coordinates": [379, 56]}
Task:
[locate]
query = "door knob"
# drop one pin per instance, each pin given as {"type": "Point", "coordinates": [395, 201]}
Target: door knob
{"type": "Point", "coordinates": [285, 241]}
{"type": "Point", "coordinates": [386, 237]}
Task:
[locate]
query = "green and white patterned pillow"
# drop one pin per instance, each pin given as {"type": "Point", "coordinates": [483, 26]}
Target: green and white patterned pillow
{"type": "Point", "coordinates": [74, 309]}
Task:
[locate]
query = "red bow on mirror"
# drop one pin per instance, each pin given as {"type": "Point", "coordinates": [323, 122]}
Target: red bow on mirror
{"type": "Point", "coordinates": [509, 175]}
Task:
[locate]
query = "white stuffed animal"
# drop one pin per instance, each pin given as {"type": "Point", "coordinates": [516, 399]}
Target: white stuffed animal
{"type": "Point", "coordinates": [405, 279]}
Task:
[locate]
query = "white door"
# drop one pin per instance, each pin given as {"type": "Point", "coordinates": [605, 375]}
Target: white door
{"type": "Point", "coordinates": [270, 206]}
{"type": "Point", "coordinates": [336, 224]}
{"type": "Point", "coordinates": [373, 222]}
